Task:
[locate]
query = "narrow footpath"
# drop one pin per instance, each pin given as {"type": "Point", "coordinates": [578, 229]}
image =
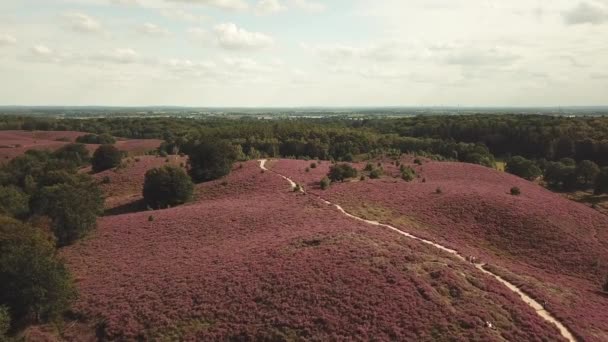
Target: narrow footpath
{"type": "Point", "coordinates": [527, 299]}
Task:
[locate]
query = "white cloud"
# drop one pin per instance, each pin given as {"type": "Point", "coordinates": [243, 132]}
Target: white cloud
{"type": "Point", "coordinates": [586, 13]}
{"type": "Point", "coordinates": [223, 4]}
{"type": "Point", "coordinates": [181, 15]}
{"type": "Point", "coordinates": [119, 56]}
{"type": "Point", "coordinates": [308, 5]}
{"type": "Point", "coordinates": [7, 39]}
{"type": "Point", "coordinates": [43, 54]}
{"type": "Point", "coordinates": [229, 36]}
{"type": "Point", "coordinates": [82, 23]}
{"type": "Point", "coordinates": [269, 7]}
{"type": "Point", "coordinates": [152, 30]}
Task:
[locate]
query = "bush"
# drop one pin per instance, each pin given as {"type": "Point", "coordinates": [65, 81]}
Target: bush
{"type": "Point", "coordinates": [5, 322]}
{"type": "Point", "coordinates": [417, 161]}
{"type": "Point", "coordinates": [106, 157]}
{"type": "Point", "coordinates": [325, 183]}
{"type": "Point", "coordinates": [72, 208]}
{"type": "Point", "coordinates": [167, 186]}
{"type": "Point", "coordinates": [313, 165]}
{"type": "Point", "coordinates": [515, 191]}
{"type": "Point", "coordinates": [341, 172]}
{"type": "Point", "coordinates": [523, 168]}
{"type": "Point", "coordinates": [211, 160]}
{"type": "Point", "coordinates": [35, 286]}
{"type": "Point", "coordinates": [13, 202]}
{"type": "Point", "coordinates": [407, 173]}
{"type": "Point", "coordinates": [369, 167]}
{"type": "Point", "coordinates": [375, 174]}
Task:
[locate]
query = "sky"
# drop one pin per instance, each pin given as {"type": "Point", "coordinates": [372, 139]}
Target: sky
{"type": "Point", "coordinates": [277, 53]}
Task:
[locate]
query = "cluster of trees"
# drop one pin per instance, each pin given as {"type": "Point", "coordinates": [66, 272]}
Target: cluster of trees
{"type": "Point", "coordinates": [44, 203]}
{"type": "Point", "coordinates": [169, 186]}
{"type": "Point", "coordinates": [326, 139]}
{"type": "Point", "coordinates": [565, 174]}
{"type": "Point", "coordinates": [101, 139]}
{"type": "Point", "coordinates": [530, 136]}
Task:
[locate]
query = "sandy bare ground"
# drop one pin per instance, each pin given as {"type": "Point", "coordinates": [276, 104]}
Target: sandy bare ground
{"type": "Point", "coordinates": [527, 299]}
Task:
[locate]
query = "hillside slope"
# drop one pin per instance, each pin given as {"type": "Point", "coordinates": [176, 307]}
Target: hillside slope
{"type": "Point", "coordinates": [553, 248]}
{"type": "Point", "coordinates": [16, 143]}
{"type": "Point", "coordinates": [252, 260]}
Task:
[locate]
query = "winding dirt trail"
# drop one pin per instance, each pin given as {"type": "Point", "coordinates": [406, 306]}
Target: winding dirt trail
{"type": "Point", "coordinates": [527, 299]}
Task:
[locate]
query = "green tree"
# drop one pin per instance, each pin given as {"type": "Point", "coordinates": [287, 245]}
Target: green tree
{"type": "Point", "coordinates": [73, 209]}
{"type": "Point", "coordinates": [78, 154]}
{"type": "Point", "coordinates": [523, 168]}
{"type": "Point", "coordinates": [13, 201]}
{"type": "Point", "coordinates": [35, 286]}
{"type": "Point", "coordinates": [601, 182]}
{"type": "Point", "coordinates": [105, 158]}
{"type": "Point", "coordinates": [341, 172]}
{"type": "Point", "coordinates": [587, 171]}
{"type": "Point", "coordinates": [167, 186]}
{"type": "Point", "coordinates": [5, 322]}
{"type": "Point", "coordinates": [211, 160]}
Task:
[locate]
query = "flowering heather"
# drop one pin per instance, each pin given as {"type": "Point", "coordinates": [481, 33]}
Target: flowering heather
{"type": "Point", "coordinates": [252, 260]}
{"type": "Point", "coordinates": [125, 184]}
{"type": "Point", "coordinates": [16, 143]}
{"type": "Point", "coordinates": [558, 248]}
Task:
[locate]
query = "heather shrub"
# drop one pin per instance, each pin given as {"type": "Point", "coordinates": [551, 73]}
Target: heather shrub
{"type": "Point", "coordinates": [307, 169]}
{"type": "Point", "coordinates": [167, 186]}
{"type": "Point", "coordinates": [313, 165]}
{"type": "Point", "coordinates": [341, 172]}
{"type": "Point", "coordinates": [106, 157]}
{"type": "Point", "coordinates": [211, 160]}
{"type": "Point", "coordinates": [523, 168]}
{"type": "Point", "coordinates": [368, 167]}
{"type": "Point", "coordinates": [325, 183]}
{"type": "Point", "coordinates": [438, 190]}
{"type": "Point", "coordinates": [35, 286]}
{"type": "Point", "coordinates": [362, 178]}
{"type": "Point", "coordinates": [417, 161]}
{"type": "Point", "coordinates": [515, 191]}
{"type": "Point", "coordinates": [13, 201]}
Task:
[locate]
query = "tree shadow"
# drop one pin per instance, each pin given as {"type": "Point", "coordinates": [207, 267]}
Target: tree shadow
{"type": "Point", "coordinates": [127, 208]}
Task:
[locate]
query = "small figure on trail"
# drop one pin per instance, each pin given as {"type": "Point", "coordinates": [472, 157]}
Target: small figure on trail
{"type": "Point", "coordinates": [489, 325]}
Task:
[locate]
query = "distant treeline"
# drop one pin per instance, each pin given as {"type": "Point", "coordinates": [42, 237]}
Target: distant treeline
{"type": "Point", "coordinates": [531, 136]}
{"type": "Point", "coordinates": [463, 138]}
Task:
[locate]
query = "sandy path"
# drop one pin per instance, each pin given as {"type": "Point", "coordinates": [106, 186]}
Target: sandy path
{"type": "Point", "coordinates": [527, 299]}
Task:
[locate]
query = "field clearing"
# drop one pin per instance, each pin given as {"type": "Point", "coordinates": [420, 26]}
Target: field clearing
{"type": "Point", "coordinates": [16, 143]}
{"type": "Point", "coordinates": [252, 260]}
{"type": "Point", "coordinates": [538, 234]}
